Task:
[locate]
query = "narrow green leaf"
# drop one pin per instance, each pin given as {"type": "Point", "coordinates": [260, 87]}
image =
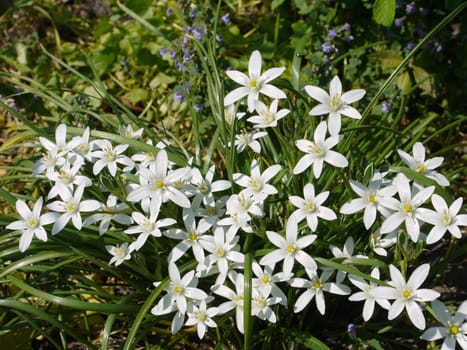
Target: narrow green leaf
{"type": "Point", "coordinates": [29, 260]}
{"type": "Point", "coordinates": [74, 303]}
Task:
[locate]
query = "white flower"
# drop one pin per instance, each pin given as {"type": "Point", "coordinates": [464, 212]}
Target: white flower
{"type": "Point", "coordinates": [379, 244]}
{"type": "Point", "coordinates": [192, 237]}
{"type": "Point", "coordinates": [71, 206]}
{"type": "Point", "coordinates": [310, 207]}
{"type": "Point", "coordinates": [245, 139]}
{"type": "Point", "coordinates": [267, 117]}
{"type": "Point", "coordinates": [109, 212]}
{"type": "Point", "coordinates": [31, 223]}
{"type": "Point", "coordinates": [315, 288]}
{"type": "Point", "coordinates": [407, 208]}
{"type": "Point", "coordinates": [454, 328]}
{"type": "Point", "coordinates": [335, 103]}
{"type": "Point", "coordinates": [205, 186]}
{"type": "Point", "coordinates": [82, 146]}
{"type": "Point", "coordinates": [67, 176]}
{"type": "Point", "coordinates": [224, 249]}
{"type": "Point", "coordinates": [202, 318]}
{"type": "Point", "coordinates": [235, 298]}
{"type": "Point", "coordinates": [181, 291]}
{"type": "Point", "coordinates": [109, 157]}
{"type": "Point", "coordinates": [128, 131]}
{"type": "Point", "coordinates": [290, 248]}
{"type": "Point", "coordinates": [345, 253]}
{"type": "Point", "coordinates": [318, 152]}
{"type": "Point", "coordinates": [158, 185]}
{"type": "Point", "coordinates": [230, 115]}
{"type": "Point", "coordinates": [365, 294]}
{"type": "Point", "coordinates": [265, 281]}
{"type": "Point", "coordinates": [369, 200]}
{"type": "Point", "coordinates": [256, 184]}
{"type": "Point", "coordinates": [444, 218]}
{"type": "Point", "coordinates": [407, 294]}
{"type": "Point", "coordinates": [422, 166]}
{"type": "Point", "coordinates": [261, 305]}
{"type": "Point", "coordinates": [61, 147]}
{"type": "Point", "coordinates": [254, 83]}
{"type": "Point", "coordinates": [147, 226]}
{"type": "Point", "coordinates": [120, 253]}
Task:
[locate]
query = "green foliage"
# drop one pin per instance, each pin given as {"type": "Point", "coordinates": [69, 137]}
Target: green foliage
{"type": "Point", "coordinates": [106, 70]}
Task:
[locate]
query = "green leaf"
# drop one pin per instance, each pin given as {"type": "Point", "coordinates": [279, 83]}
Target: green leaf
{"type": "Point", "coordinates": [137, 95]}
{"type": "Point", "coordinates": [424, 79]}
{"type": "Point", "coordinates": [103, 60]}
{"type": "Point", "coordinates": [276, 3]}
{"type": "Point", "coordinates": [403, 82]}
{"type": "Point", "coordinates": [138, 6]}
{"type": "Point", "coordinates": [384, 12]}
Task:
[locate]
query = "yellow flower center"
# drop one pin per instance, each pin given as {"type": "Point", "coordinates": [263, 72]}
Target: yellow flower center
{"type": "Point", "coordinates": [159, 184]}
{"type": "Point", "coordinates": [406, 294]}
{"type": "Point", "coordinates": [253, 83]}
{"type": "Point", "coordinates": [178, 289]}
{"type": "Point", "coordinates": [447, 217]}
{"type": "Point", "coordinates": [211, 210]}
{"type": "Point", "coordinates": [266, 279]}
{"type": "Point", "coordinates": [372, 198]}
{"type": "Point", "coordinates": [193, 236]}
{"type": "Point", "coordinates": [454, 330]}
{"type": "Point", "coordinates": [290, 249]}
{"type": "Point", "coordinates": [220, 252]}
{"type": "Point", "coordinates": [268, 117]}
{"type": "Point", "coordinates": [316, 284]}
{"type": "Point", "coordinates": [203, 188]}
{"type": "Point", "coordinates": [201, 316]}
{"type": "Point", "coordinates": [408, 208]}
{"type": "Point", "coordinates": [310, 207]}
{"type": "Point", "coordinates": [313, 148]}
{"type": "Point", "coordinates": [239, 298]}
{"type": "Point", "coordinates": [336, 101]}
{"type": "Point", "coordinates": [119, 252]}
{"type": "Point", "coordinates": [421, 168]}
{"type": "Point", "coordinates": [71, 207]}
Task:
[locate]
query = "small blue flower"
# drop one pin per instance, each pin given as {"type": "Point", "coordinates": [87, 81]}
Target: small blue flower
{"type": "Point", "coordinates": [172, 54]}
{"type": "Point", "coordinates": [346, 26]}
{"type": "Point", "coordinates": [398, 22]}
{"type": "Point", "coordinates": [219, 38]}
{"type": "Point", "coordinates": [332, 33]}
{"type": "Point", "coordinates": [326, 59]}
{"type": "Point", "coordinates": [178, 97]}
{"type": "Point", "coordinates": [410, 8]}
{"type": "Point", "coordinates": [198, 108]}
{"type": "Point", "coordinates": [162, 52]}
{"type": "Point", "coordinates": [349, 38]}
{"type": "Point", "coordinates": [326, 47]}
{"type": "Point", "coordinates": [187, 57]}
{"type": "Point", "coordinates": [386, 107]}
{"type": "Point", "coordinates": [352, 329]}
{"type": "Point", "coordinates": [225, 19]}
{"type": "Point", "coordinates": [410, 45]}
{"type": "Point", "coordinates": [192, 13]}
{"type": "Point", "coordinates": [169, 12]}
{"type": "Point", "coordinates": [198, 33]}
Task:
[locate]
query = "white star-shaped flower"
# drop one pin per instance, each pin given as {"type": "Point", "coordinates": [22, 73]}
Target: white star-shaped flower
{"type": "Point", "coordinates": [318, 152]}
{"type": "Point", "coordinates": [254, 83]}
{"type": "Point", "coordinates": [335, 103]}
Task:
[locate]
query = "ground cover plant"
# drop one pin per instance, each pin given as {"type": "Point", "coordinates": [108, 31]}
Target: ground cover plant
{"type": "Point", "coordinates": [206, 175]}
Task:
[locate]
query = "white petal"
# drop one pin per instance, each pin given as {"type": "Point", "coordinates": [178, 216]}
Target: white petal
{"type": "Point", "coordinates": [318, 94]}
{"type": "Point", "coordinates": [415, 314]}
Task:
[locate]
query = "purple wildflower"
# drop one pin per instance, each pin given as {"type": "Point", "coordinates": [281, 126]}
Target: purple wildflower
{"type": "Point", "coordinates": [225, 19]}
{"type": "Point", "coordinates": [169, 11]}
{"type": "Point", "coordinates": [352, 329]}
{"type": "Point", "coordinates": [346, 26]}
{"type": "Point", "coordinates": [332, 33]}
{"type": "Point", "coordinates": [386, 107]}
{"type": "Point", "coordinates": [410, 45]}
{"type": "Point", "coordinates": [398, 22]}
{"type": "Point", "coordinates": [198, 108]}
{"type": "Point", "coordinates": [326, 47]}
{"type": "Point", "coordinates": [410, 8]}
{"type": "Point", "coordinates": [198, 33]}
{"type": "Point", "coordinates": [162, 52]}
{"type": "Point", "coordinates": [178, 97]}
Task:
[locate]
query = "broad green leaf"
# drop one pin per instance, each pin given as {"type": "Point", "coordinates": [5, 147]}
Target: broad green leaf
{"type": "Point", "coordinates": [137, 95]}
{"type": "Point", "coordinates": [403, 82]}
{"type": "Point", "coordinates": [276, 3]}
{"type": "Point", "coordinates": [423, 79]}
{"type": "Point", "coordinates": [103, 60]}
{"type": "Point", "coordinates": [388, 58]}
{"type": "Point", "coordinates": [384, 12]}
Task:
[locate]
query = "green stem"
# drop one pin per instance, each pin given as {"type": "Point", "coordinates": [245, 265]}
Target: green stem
{"type": "Point", "coordinates": [247, 291]}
